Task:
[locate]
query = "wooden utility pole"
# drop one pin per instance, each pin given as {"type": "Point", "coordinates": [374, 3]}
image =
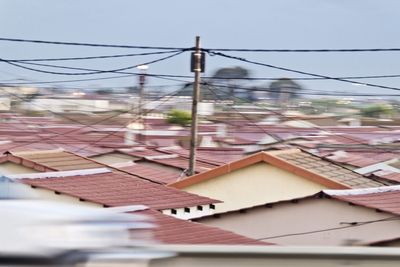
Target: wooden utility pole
{"type": "Point", "coordinates": [197, 69]}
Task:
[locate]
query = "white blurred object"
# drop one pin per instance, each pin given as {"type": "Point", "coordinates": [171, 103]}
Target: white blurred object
{"type": "Point", "coordinates": [32, 226]}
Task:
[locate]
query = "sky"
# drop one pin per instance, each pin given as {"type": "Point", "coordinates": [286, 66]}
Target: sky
{"type": "Point", "coordinates": [272, 24]}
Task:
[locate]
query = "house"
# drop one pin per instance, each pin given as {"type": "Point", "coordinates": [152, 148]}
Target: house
{"type": "Point", "coordinates": [170, 230]}
{"type": "Point", "coordinates": [269, 177]}
{"type": "Point", "coordinates": [330, 217]}
{"type": "Point", "coordinates": [104, 187]}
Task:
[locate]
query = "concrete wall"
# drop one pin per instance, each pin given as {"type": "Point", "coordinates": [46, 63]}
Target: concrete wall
{"type": "Point", "coordinates": [254, 185]}
{"type": "Point", "coordinates": [309, 215]}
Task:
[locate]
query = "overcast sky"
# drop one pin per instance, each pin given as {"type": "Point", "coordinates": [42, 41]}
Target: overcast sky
{"type": "Point", "coordinates": [221, 24]}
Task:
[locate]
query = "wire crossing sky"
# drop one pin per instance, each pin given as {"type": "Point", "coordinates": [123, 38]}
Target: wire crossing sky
{"type": "Point", "coordinates": [290, 33]}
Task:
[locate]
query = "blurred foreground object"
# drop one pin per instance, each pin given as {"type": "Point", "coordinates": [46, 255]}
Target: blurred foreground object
{"type": "Point", "coordinates": [41, 232]}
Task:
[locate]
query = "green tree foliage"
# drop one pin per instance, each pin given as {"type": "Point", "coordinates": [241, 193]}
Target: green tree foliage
{"type": "Point", "coordinates": [231, 73]}
{"type": "Point", "coordinates": [284, 89]}
{"type": "Point", "coordinates": [377, 110]}
{"type": "Point", "coordinates": [230, 78]}
{"type": "Point", "coordinates": [180, 117]}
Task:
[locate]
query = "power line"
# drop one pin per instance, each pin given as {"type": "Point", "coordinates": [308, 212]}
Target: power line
{"type": "Point", "coordinates": [88, 71]}
{"type": "Point", "coordinates": [314, 127]}
{"type": "Point", "coordinates": [137, 119]}
{"type": "Point", "coordinates": [244, 116]}
{"type": "Point", "coordinates": [305, 78]}
{"type": "Point", "coordinates": [92, 44]}
{"type": "Point", "coordinates": [93, 87]}
{"type": "Point", "coordinates": [86, 125]}
{"type": "Point", "coordinates": [310, 91]}
{"type": "Point", "coordinates": [93, 57]}
{"type": "Point", "coordinates": [303, 72]}
{"type": "Point", "coordinates": [204, 49]}
{"type": "Point", "coordinates": [352, 224]}
{"type": "Point", "coordinates": [328, 50]}
{"type": "Point", "coordinates": [94, 71]}
{"type": "Point", "coordinates": [71, 81]}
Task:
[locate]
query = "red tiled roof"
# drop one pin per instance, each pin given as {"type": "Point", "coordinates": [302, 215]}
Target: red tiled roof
{"type": "Point", "coordinates": [388, 175]}
{"type": "Point", "coordinates": [171, 230]}
{"type": "Point", "coordinates": [216, 156]}
{"type": "Point", "coordinates": [146, 172]}
{"type": "Point", "coordinates": [295, 161]}
{"type": "Point", "coordinates": [363, 159]}
{"type": "Point", "coordinates": [385, 199]}
{"type": "Point", "coordinates": [182, 163]}
{"type": "Point", "coordinates": [59, 160]}
{"type": "Point", "coordinates": [235, 140]}
{"type": "Point", "coordinates": [142, 152]}
{"type": "Point", "coordinates": [328, 169]}
{"type": "Point", "coordinates": [120, 189]}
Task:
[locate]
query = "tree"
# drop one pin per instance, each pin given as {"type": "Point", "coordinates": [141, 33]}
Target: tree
{"type": "Point", "coordinates": [205, 92]}
{"type": "Point", "coordinates": [180, 117]}
{"type": "Point", "coordinates": [284, 89]}
{"type": "Point", "coordinates": [230, 77]}
{"type": "Point", "coordinates": [377, 110]}
{"type": "Point", "coordinates": [104, 91]}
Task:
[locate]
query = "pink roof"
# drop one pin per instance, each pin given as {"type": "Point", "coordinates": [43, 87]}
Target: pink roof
{"type": "Point", "coordinates": [182, 163]}
{"type": "Point", "coordinates": [363, 159]}
{"type": "Point", "coordinates": [171, 230]}
{"type": "Point", "coordinates": [388, 175]}
{"type": "Point", "coordinates": [120, 189]}
{"type": "Point", "coordinates": [215, 156]}
{"type": "Point", "coordinates": [146, 172]}
{"type": "Point", "coordinates": [383, 198]}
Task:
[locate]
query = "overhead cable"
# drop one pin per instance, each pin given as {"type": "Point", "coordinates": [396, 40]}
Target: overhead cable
{"type": "Point", "coordinates": [324, 50]}
{"type": "Point", "coordinates": [87, 125]}
{"type": "Point", "coordinates": [304, 72]}
{"type": "Point", "coordinates": [88, 72]}
{"type": "Point", "coordinates": [93, 57]}
{"type": "Point", "coordinates": [91, 44]}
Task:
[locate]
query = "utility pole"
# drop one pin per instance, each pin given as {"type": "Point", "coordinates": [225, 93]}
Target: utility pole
{"type": "Point", "coordinates": [197, 61]}
{"type": "Point", "coordinates": [142, 81]}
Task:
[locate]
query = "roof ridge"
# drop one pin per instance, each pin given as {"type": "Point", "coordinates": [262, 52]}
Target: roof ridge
{"type": "Point", "coordinates": [57, 174]}
{"type": "Point", "coordinates": [36, 152]}
{"type": "Point", "coordinates": [362, 191]}
{"type": "Point", "coordinates": [283, 151]}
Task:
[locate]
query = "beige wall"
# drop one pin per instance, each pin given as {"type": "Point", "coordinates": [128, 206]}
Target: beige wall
{"type": "Point", "coordinates": [309, 215]}
{"type": "Point", "coordinates": [51, 196]}
{"type": "Point", "coordinates": [254, 185]}
{"type": "Point", "coordinates": [10, 168]}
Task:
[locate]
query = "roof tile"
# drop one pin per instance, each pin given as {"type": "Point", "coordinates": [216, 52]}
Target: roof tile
{"type": "Point", "coordinates": [120, 189]}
